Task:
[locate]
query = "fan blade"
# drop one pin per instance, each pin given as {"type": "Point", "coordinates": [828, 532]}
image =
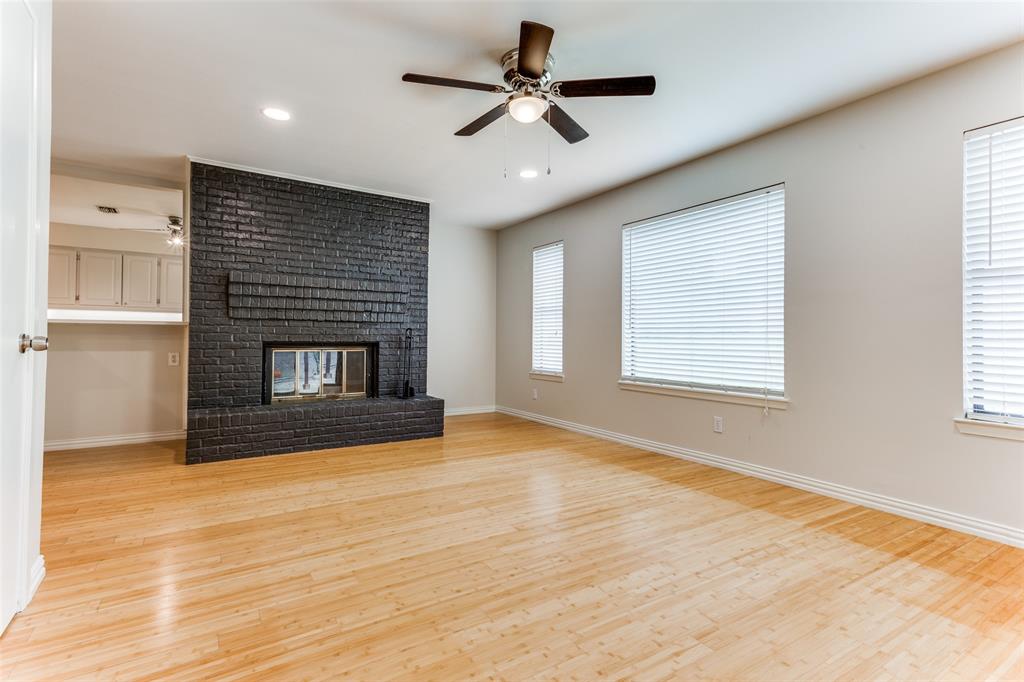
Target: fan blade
{"type": "Point", "coordinates": [484, 121]}
{"type": "Point", "coordinates": [605, 87]}
{"type": "Point", "coordinates": [564, 124]}
{"type": "Point", "coordinates": [534, 43]}
{"type": "Point", "coordinates": [451, 83]}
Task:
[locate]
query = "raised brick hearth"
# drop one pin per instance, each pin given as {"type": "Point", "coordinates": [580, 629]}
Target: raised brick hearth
{"type": "Point", "coordinates": [220, 433]}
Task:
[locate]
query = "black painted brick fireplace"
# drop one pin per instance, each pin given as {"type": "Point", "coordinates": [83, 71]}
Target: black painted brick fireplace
{"type": "Point", "coordinates": [277, 262]}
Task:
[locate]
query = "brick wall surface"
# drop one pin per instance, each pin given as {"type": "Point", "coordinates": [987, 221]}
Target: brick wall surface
{"type": "Point", "coordinates": [277, 261]}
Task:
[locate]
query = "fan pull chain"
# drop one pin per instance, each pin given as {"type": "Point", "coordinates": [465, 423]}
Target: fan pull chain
{"type": "Point", "coordinates": [549, 137]}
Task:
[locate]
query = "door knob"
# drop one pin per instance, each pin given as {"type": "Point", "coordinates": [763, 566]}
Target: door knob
{"type": "Point", "coordinates": [26, 342]}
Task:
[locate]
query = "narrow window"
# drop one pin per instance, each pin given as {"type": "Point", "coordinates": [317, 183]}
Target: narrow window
{"type": "Point", "coordinates": [993, 253]}
{"type": "Point", "coordinates": [702, 296]}
{"type": "Point", "coordinates": [547, 309]}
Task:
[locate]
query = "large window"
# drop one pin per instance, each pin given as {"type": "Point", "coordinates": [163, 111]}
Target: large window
{"type": "Point", "coordinates": [547, 309]}
{"type": "Point", "coordinates": [702, 296]}
{"type": "Point", "coordinates": [994, 272]}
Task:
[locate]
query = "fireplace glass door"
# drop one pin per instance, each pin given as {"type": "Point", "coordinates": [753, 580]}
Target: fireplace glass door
{"type": "Point", "coordinates": [319, 373]}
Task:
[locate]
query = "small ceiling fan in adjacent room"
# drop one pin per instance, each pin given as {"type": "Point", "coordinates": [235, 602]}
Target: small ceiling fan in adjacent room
{"type": "Point", "coordinates": [174, 228]}
{"type": "Point", "coordinates": [527, 75]}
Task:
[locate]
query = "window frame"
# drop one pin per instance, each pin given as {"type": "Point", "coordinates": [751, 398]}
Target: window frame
{"type": "Point", "coordinates": [762, 397]}
{"type": "Point", "coordinates": [984, 423]}
{"type": "Point", "coordinates": [540, 372]}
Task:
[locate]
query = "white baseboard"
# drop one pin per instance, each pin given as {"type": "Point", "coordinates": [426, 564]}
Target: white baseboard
{"type": "Point", "coordinates": [919, 512]}
{"type": "Point", "coordinates": [35, 578]}
{"type": "Point", "coordinates": [477, 409]}
{"type": "Point", "coordinates": [122, 439]}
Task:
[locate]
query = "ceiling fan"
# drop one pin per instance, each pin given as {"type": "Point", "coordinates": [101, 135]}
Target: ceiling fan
{"type": "Point", "coordinates": [528, 83]}
{"type": "Point", "coordinates": [174, 228]}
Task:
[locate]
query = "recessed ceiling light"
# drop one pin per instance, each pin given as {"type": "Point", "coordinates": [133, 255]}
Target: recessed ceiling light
{"type": "Point", "coordinates": [528, 173]}
{"type": "Point", "coordinates": [276, 114]}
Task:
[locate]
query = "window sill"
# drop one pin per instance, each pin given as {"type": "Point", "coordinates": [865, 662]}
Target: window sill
{"type": "Point", "coordinates": [545, 376]}
{"type": "Point", "coordinates": [774, 403]}
{"type": "Point", "coordinates": [978, 427]}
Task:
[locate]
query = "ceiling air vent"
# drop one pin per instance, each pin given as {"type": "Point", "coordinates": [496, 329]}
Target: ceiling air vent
{"type": "Point", "coordinates": [107, 209]}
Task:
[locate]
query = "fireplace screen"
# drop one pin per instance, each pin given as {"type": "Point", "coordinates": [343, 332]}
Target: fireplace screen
{"type": "Point", "coordinates": [319, 373]}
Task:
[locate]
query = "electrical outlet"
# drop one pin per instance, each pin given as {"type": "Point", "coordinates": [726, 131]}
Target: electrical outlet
{"type": "Point", "coordinates": [172, 359]}
{"type": "Point", "coordinates": [536, 393]}
{"type": "Point", "coordinates": [719, 425]}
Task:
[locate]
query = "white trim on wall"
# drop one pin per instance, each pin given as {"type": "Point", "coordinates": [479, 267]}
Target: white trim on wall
{"type": "Point", "coordinates": [35, 579]}
{"type": "Point", "coordinates": [912, 510]}
{"type": "Point", "coordinates": [977, 427]}
{"type": "Point", "coordinates": [773, 402]}
{"type": "Point", "coordinates": [303, 178]}
{"type": "Point", "coordinates": [476, 409]}
{"type": "Point", "coordinates": [122, 439]}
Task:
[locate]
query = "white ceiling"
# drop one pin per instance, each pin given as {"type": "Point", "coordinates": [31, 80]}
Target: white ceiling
{"type": "Point", "coordinates": [74, 201]}
{"type": "Point", "coordinates": [139, 85]}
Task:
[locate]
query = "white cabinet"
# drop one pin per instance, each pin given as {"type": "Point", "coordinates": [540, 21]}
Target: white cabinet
{"type": "Point", "coordinates": [63, 277]}
{"type": "Point", "coordinates": [140, 281]}
{"type": "Point", "coordinates": [172, 275]}
{"type": "Point", "coordinates": [99, 278]}
{"type": "Point", "coordinates": [92, 278]}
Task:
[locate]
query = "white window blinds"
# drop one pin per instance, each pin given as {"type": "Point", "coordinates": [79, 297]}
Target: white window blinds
{"type": "Point", "coordinates": [702, 296]}
{"type": "Point", "coordinates": [547, 309]}
{"type": "Point", "coordinates": [994, 272]}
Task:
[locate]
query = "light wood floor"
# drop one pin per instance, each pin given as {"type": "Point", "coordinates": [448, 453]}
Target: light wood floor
{"type": "Point", "coordinates": [506, 549]}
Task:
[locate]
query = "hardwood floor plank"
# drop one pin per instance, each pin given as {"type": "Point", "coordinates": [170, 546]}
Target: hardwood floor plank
{"type": "Point", "coordinates": [506, 549]}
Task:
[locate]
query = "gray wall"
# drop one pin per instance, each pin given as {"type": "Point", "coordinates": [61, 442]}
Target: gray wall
{"type": "Point", "coordinates": [461, 344]}
{"type": "Point", "coordinates": [873, 300]}
{"type": "Point", "coordinates": [112, 380]}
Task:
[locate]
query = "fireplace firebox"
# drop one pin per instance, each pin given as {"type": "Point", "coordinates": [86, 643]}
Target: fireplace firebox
{"type": "Point", "coordinates": [304, 372]}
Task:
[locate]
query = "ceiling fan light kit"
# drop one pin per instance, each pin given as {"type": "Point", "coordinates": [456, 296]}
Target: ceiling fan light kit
{"type": "Point", "coordinates": [175, 232]}
{"type": "Point", "coordinates": [527, 108]}
{"type": "Point", "coordinates": [527, 76]}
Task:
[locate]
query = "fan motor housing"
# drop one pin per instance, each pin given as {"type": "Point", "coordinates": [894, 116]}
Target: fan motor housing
{"type": "Point", "coordinates": [509, 65]}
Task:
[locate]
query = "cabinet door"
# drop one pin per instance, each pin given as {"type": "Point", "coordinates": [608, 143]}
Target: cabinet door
{"type": "Point", "coordinates": [171, 283]}
{"type": "Point", "coordinates": [99, 278]}
{"type": "Point", "coordinates": [63, 278]}
{"type": "Point", "coordinates": [140, 281]}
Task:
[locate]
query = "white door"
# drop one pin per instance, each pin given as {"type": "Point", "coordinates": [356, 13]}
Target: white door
{"type": "Point", "coordinates": [140, 281]}
{"type": "Point", "coordinates": [99, 278]}
{"type": "Point", "coordinates": [24, 233]}
{"type": "Point", "coordinates": [63, 276]}
{"type": "Point", "coordinates": [172, 284]}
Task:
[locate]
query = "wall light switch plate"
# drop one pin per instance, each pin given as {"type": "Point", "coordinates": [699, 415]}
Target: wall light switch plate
{"type": "Point", "coordinates": [536, 393]}
{"type": "Point", "coordinates": [719, 425]}
{"type": "Point", "coordinates": [173, 359]}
